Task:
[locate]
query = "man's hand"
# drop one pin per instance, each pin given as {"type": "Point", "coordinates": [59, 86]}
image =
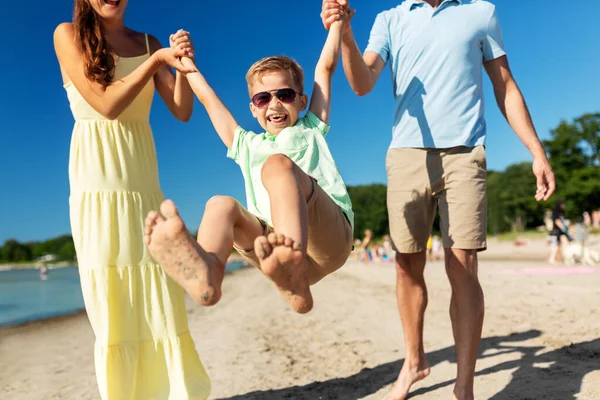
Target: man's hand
{"type": "Point", "coordinates": [544, 177]}
{"type": "Point", "coordinates": [181, 41]}
{"type": "Point", "coordinates": [335, 10]}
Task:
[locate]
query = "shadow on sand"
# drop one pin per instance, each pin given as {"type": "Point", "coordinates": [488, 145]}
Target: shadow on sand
{"type": "Point", "coordinates": [556, 374]}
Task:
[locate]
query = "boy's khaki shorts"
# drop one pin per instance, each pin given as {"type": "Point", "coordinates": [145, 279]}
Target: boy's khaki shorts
{"type": "Point", "coordinates": [422, 180]}
{"type": "Point", "coordinates": [330, 236]}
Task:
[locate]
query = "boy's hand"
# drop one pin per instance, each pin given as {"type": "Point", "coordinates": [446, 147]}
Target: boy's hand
{"type": "Point", "coordinates": [336, 10]}
{"type": "Point", "coordinates": [181, 41]}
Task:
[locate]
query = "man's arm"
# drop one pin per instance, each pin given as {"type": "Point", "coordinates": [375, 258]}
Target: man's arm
{"type": "Point", "coordinates": [361, 71]}
{"type": "Point", "coordinates": [512, 105]}
{"type": "Point", "coordinates": [220, 116]}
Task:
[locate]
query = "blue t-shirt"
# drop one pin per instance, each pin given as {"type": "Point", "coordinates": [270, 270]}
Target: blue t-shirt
{"type": "Point", "coordinates": [436, 58]}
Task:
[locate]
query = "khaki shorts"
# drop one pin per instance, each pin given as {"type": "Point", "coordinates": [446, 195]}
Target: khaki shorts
{"type": "Point", "coordinates": [423, 180]}
{"type": "Point", "coordinates": [330, 236]}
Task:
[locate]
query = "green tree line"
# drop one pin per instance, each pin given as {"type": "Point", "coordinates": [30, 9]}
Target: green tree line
{"type": "Point", "coordinates": [574, 153]}
{"type": "Point", "coordinates": [62, 247]}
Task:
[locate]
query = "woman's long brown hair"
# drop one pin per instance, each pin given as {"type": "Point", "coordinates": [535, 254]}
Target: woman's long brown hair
{"type": "Point", "coordinates": [98, 60]}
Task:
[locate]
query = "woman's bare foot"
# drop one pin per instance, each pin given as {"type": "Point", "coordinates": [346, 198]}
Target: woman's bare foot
{"type": "Point", "coordinates": [282, 260]}
{"type": "Point", "coordinates": [408, 376]}
{"type": "Point", "coordinates": [172, 246]}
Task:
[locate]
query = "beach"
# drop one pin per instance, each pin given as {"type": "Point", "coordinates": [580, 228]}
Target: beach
{"type": "Point", "coordinates": [541, 337]}
{"type": "Point", "coordinates": [37, 265]}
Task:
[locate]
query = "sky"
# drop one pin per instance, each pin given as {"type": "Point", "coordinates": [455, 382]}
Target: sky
{"type": "Point", "coordinates": [551, 45]}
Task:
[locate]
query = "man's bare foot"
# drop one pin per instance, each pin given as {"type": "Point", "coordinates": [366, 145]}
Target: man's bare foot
{"type": "Point", "coordinates": [466, 395]}
{"type": "Point", "coordinates": [173, 247]}
{"type": "Point", "coordinates": [408, 376]}
{"type": "Point", "coordinates": [282, 260]}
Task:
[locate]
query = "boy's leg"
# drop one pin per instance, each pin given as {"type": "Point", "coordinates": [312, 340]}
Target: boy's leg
{"type": "Point", "coordinates": [282, 254]}
{"type": "Point", "coordinates": [199, 267]}
{"type": "Point", "coordinates": [227, 224]}
{"type": "Point", "coordinates": [329, 236]}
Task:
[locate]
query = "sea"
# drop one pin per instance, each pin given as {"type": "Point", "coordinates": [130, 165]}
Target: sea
{"type": "Point", "coordinates": [26, 295]}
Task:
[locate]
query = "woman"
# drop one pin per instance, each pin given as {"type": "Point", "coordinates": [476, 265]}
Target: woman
{"type": "Point", "coordinates": [143, 347]}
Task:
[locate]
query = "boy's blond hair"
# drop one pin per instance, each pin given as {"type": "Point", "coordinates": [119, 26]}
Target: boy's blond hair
{"type": "Point", "coordinates": [273, 64]}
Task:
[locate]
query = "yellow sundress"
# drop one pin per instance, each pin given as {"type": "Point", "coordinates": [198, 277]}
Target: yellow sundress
{"type": "Point", "coordinates": [143, 348]}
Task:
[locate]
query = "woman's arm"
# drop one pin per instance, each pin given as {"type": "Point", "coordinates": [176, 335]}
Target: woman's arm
{"type": "Point", "coordinates": [109, 101]}
{"type": "Point", "coordinates": [174, 89]}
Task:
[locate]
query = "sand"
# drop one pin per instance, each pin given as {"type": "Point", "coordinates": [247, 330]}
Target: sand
{"type": "Point", "coordinates": [541, 338]}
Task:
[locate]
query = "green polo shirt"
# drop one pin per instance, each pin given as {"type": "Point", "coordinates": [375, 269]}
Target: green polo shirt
{"type": "Point", "coordinates": [304, 143]}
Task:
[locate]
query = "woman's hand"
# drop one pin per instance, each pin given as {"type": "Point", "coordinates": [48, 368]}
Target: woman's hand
{"type": "Point", "coordinates": [172, 58]}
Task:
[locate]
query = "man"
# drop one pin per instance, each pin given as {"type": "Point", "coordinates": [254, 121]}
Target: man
{"type": "Point", "coordinates": [436, 50]}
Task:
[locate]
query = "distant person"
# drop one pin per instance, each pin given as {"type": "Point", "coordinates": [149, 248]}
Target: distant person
{"type": "Point", "coordinates": [582, 229]}
{"type": "Point", "coordinates": [559, 236]}
{"type": "Point", "coordinates": [389, 252]}
{"type": "Point", "coordinates": [582, 233]}
{"type": "Point", "coordinates": [365, 246]}
{"type": "Point", "coordinates": [43, 272]}
{"type": "Point", "coordinates": [143, 347]}
{"type": "Point", "coordinates": [429, 248]}
{"type": "Point", "coordinates": [596, 218]}
{"type": "Point", "coordinates": [436, 51]}
{"type": "Point", "coordinates": [378, 253]}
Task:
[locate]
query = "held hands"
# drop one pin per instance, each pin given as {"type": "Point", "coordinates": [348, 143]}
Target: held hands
{"type": "Point", "coordinates": [181, 41]}
{"type": "Point", "coordinates": [180, 53]}
{"type": "Point", "coordinates": [173, 58]}
{"type": "Point", "coordinates": [544, 177]}
{"type": "Point", "coordinates": [336, 10]}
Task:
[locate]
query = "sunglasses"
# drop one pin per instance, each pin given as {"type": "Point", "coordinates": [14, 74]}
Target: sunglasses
{"type": "Point", "coordinates": [263, 99]}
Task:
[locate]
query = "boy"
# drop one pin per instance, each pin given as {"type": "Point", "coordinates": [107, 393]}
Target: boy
{"type": "Point", "coordinates": [298, 227]}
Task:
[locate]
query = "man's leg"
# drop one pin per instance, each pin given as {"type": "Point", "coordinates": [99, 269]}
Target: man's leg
{"type": "Point", "coordinates": [282, 254]}
{"type": "Point", "coordinates": [411, 294]}
{"type": "Point", "coordinates": [466, 313]}
{"type": "Point", "coordinates": [463, 212]}
{"type": "Point", "coordinates": [411, 210]}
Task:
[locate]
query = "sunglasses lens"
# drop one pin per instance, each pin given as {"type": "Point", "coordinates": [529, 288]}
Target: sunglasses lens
{"type": "Point", "coordinates": [286, 95]}
{"type": "Point", "coordinates": [261, 99]}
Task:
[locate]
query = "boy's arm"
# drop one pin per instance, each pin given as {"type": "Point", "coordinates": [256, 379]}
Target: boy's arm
{"type": "Point", "coordinates": [221, 118]}
{"type": "Point", "coordinates": [320, 103]}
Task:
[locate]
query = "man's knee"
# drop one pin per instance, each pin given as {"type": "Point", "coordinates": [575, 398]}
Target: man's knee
{"type": "Point", "coordinates": [222, 205]}
{"type": "Point", "coordinates": [275, 165]}
{"type": "Point", "coordinates": [461, 264]}
{"type": "Point", "coordinates": [410, 263]}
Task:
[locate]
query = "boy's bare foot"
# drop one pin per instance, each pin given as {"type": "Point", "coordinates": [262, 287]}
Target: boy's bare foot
{"type": "Point", "coordinates": [172, 246]}
{"type": "Point", "coordinates": [408, 376]}
{"type": "Point", "coordinates": [282, 260]}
